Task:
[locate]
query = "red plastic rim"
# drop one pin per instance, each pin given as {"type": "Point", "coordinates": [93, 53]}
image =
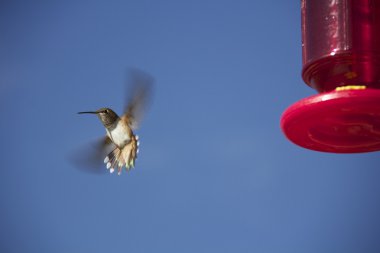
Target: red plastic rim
{"type": "Point", "coordinates": [346, 121]}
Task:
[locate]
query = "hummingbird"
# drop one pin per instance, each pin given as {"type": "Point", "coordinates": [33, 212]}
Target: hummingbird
{"type": "Point", "coordinates": [120, 136]}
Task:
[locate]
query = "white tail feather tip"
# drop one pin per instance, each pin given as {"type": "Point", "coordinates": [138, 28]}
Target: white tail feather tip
{"type": "Point", "coordinates": [112, 170]}
{"type": "Point", "coordinates": [106, 160]}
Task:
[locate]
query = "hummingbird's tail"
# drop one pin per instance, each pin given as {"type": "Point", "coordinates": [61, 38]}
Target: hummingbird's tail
{"type": "Point", "coordinates": [126, 156]}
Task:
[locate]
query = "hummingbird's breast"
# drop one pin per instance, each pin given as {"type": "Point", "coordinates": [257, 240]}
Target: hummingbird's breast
{"type": "Point", "coordinates": [120, 134]}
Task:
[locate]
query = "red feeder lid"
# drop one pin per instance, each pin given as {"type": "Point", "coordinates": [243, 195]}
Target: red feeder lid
{"type": "Point", "coordinates": [340, 121]}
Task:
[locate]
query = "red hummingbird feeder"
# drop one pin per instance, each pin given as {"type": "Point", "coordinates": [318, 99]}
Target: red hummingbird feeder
{"type": "Point", "coordinates": [341, 60]}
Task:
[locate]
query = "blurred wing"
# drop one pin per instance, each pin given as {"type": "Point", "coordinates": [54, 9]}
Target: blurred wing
{"type": "Point", "coordinates": [140, 92]}
{"type": "Point", "coordinates": [90, 157]}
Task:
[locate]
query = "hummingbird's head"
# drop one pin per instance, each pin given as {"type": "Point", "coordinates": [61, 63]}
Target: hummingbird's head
{"type": "Point", "coordinates": [106, 115]}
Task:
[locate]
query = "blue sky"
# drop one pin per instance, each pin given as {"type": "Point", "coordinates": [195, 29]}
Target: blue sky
{"type": "Point", "coordinates": [215, 173]}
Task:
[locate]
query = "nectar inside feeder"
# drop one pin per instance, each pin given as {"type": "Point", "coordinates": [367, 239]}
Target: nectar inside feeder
{"type": "Point", "coordinates": [341, 60]}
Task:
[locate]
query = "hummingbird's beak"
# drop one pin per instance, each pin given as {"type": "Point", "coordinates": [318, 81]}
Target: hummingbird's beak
{"type": "Point", "coordinates": [87, 112]}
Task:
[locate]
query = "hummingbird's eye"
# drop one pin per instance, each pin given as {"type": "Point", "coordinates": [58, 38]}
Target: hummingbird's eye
{"type": "Point", "coordinates": [106, 111]}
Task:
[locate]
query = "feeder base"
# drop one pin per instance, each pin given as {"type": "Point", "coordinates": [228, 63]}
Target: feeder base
{"type": "Point", "coordinates": [340, 121]}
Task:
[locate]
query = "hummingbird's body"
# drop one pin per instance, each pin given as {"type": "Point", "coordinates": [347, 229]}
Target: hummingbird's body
{"type": "Point", "coordinates": [119, 130]}
{"type": "Point", "coordinates": [120, 133]}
